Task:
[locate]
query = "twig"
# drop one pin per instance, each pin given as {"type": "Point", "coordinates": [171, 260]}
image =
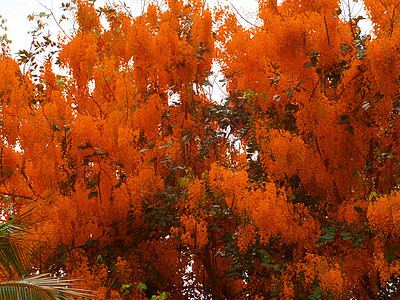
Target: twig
{"type": "Point", "coordinates": [55, 20]}
{"type": "Point", "coordinates": [276, 9]}
{"type": "Point", "coordinates": [172, 10]}
{"type": "Point", "coordinates": [243, 17]}
{"type": "Point", "coordinates": [327, 33]}
{"type": "Point", "coordinates": [315, 87]}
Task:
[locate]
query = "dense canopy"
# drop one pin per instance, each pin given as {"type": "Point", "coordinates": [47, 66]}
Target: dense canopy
{"type": "Point", "coordinates": [285, 188]}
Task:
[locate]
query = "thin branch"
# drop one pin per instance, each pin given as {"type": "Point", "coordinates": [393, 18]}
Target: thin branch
{"type": "Point", "coordinates": [276, 10]}
{"type": "Point", "coordinates": [230, 3]}
{"type": "Point", "coordinates": [315, 87]}
{"type": "Point", "coordinates": [172, 10]}
{"type": "Point", "coordinates": [55, 20]}
{"type": "Point", "coordinates": [18, 196]}
{"type": "Point", "coordinates": [126, 9]}
{"type": "Point", "coordinates": [327, 33]}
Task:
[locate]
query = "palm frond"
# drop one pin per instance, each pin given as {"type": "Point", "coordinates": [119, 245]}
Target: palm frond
{"type": "Point", "coordinates": [42, 287]}
{"type": "Point", "coordinates": [16, 257]}
{"type": "Point", "coordinates": [15, 252]}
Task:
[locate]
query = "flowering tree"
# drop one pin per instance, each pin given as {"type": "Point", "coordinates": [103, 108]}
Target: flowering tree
{"type": "Point", "coordinates": [287, 188]}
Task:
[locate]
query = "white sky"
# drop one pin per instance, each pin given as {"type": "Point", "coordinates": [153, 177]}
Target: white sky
{"type": "Point", "coordinates": [16, 12]}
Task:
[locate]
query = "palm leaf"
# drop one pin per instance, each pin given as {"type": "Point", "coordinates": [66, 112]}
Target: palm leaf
{"type": "Point", "coordinates": [42, 287]}
{"type": "Point", "coordinates": [15, 253]}
{"type": "Point", "coordinates": [15, 257]}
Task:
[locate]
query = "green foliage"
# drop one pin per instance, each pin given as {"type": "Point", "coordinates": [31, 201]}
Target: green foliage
{"type": "Point", "coordinates": [348, 232]}
{"type": "Point", "coordinates": [162, 296]}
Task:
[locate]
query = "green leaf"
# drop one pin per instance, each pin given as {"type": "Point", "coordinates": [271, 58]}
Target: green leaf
{"type": "Point", "coordinates": [316, 294]}
{"type": "Point", "coordinates": [119, 164]}
{"type": "Point", "coordinates": [350, 129]}
{"type": "Point", "coordinates": [54, 128]}
{"type": "Point", "coordinates": [357, 242]}
{"type": "Point", "coordinates": [186, 138]}
{"type": "Point", "coordinates": [86, 146]}
{"type": "Point", "coordinates": [344, 116]}
{"type": "Point", "coordinates": [314, 61]}
{"type": "Point", "coordinates": [205, 83]}
{"type": "Point", "coordinates": [167, 145]}
{"type": "Point", "coordinates": [307, 64]}
{"type": "Point", "coordinates": [125, 289]}
{"type": "Point", "coordinates": [6, 199]}
{"type": "Point", "coordinates": [93, 194]}
{"type": "Point", "coordinates": [99, 259]}
{"type": "Point", "coordinates": [358, 209]}
{"type": "Point", "coordinates": [373, 196]}
{"type": "Point", "coordinates": [118, 184]}
{"type": "Point", "coordinates": [141, 287]}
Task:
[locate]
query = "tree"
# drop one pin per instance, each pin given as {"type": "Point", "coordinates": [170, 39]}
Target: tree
{"type": "Point", "coordinates": [322, 134]}
{"type": "Point", "coordinates": [288, 188]}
